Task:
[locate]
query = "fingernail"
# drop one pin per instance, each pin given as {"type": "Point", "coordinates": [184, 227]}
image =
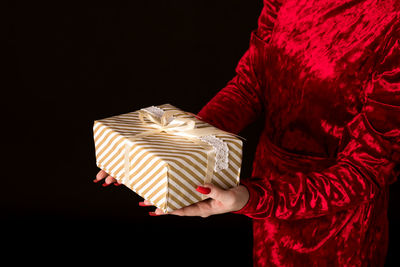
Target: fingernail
{"type": "Point", "coordinates": [117, 184]}
{"type": "Point", "coordinates": [105, 184]}
{"type": "Point", "coordinates": [151, 213]}
{"type": "Point", "coordinates": [203, 190]}
{"type": "Point", "coordinates": [142, 204]}
{"type": "Point", "coordinates": [95, 181]}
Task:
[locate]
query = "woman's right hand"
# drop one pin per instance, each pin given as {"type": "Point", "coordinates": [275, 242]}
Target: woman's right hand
{"type": "Point", "coordinates": [108, 179]}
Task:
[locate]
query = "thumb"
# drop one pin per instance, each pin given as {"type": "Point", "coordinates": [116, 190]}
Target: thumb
{"type": "Point", "coordinates": [215, 192]}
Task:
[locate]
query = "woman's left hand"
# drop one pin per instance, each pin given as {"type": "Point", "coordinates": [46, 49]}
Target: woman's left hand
{"type": "Point", "coordinates": [220, 201]}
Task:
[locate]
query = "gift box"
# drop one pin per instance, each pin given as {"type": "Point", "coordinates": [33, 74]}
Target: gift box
{"type": "Point", "coordinates": [163, 153]}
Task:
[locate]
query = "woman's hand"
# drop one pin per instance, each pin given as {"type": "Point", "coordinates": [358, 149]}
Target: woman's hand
{"type": "Point", "coordinates": [221, 201]}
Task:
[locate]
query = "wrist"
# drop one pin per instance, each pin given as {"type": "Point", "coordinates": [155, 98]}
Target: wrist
{"type": "Point", "coordinates": [242, 197]}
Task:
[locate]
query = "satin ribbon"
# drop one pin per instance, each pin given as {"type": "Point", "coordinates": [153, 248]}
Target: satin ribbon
{"type": "Point", "coordinates": [178, 126]}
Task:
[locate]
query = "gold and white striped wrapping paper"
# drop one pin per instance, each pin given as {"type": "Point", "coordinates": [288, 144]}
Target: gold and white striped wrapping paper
{"type": "Point", "coordinates": [163, 168]}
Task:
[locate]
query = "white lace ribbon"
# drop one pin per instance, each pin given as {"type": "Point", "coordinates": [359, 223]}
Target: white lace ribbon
{"type": "Point", "coordinates": [221, 151]}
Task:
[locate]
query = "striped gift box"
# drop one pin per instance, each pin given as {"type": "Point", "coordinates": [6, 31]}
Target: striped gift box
{"type": "Point", "coordinates": [165, 167]}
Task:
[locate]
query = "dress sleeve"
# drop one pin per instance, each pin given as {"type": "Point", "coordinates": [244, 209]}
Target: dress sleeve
{"type": "Point", "coordinates": [240, 102]}
{"type": "Point", "coordinates": [368, 161]}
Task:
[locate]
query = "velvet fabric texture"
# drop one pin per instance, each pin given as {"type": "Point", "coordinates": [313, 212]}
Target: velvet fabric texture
{"type": "Point", "coordinates": [325, 76]}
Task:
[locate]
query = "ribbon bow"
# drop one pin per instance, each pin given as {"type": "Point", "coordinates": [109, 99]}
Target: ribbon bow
{"type": "Point", "coordinates": [166, 123]}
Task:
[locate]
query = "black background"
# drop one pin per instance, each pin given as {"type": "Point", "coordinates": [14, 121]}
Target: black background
{"type": "Point", "coordinates": [67, 66]}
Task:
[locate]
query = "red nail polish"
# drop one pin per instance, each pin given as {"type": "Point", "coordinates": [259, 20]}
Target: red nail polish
{"type": "Point", "coordinates": [95, 181]}
{"type": "Point", "coordinates": [203, 190]}
{"type": "Point", "coordinates": [142, 204]}
{"type": "Point", "coordinates": [117, 184]}
{"type": "Point", "coordinates": [153, 214]}
{"type": "Point", "coordinates": [105, 184]}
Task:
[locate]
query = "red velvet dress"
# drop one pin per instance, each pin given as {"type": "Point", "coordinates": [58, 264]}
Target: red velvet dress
{"type": "Point", "coordinates": [325, 77]}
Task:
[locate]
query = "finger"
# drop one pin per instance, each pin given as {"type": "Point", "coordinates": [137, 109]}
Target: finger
{"type": "Point", "coordinates": [215, 192]}
{"type": "Point", "coordinates": [100, 175]}
{"type": "Point", "coordinates": [109, 180]}
{"type": "Point", "coordinates": [145, 203]}
{"type": "Point", "coordinates": [157, 212]}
